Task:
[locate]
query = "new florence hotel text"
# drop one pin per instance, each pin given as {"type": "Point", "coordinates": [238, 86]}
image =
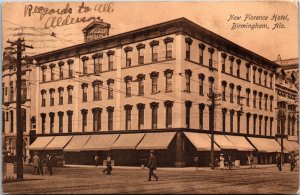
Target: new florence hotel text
{"type": "Point", "coordinates": [152, 89]}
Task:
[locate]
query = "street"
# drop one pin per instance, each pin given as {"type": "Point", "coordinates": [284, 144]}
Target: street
{"type": "Point", "coordinates": [86, 180]}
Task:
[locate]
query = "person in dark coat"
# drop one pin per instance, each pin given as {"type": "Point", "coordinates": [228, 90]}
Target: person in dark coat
{"type": "Point", "coordinates": [152, 166]}
{"type": "Point", "coordinates": [41, 166]}
{"type": "Point", "coordinates": [292, 161]}
{"type": "Point", "coordinates": [50, 163]}
{"type": "Point", "coordinates": [229, 162]}
{"type": "Point", "coordinates": [278, 161]}
{"type": "Point", "coordinates": [108, 165]}
{"type": "Point", "coordinates": [36, 164]}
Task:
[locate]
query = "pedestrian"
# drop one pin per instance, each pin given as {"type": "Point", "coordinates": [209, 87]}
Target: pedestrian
{"type": "Point", "coordinates": [229, 162]}
{"type": "Point", "coordinates": [96, 160]}
{"type": "Point", "coordinates": [292, 161]}
{"type": "Point", "coordinates": [50, 163]}
{"type": "Point", "coordinates": [108, 165]}
{"type": "Point", "coordinates": [152, 166]}
{"type": "Point", "coordinates": [41, 166]}
{"type": "Point", "coordinates": [44, 163]}
{"type": "Point", "coordinates": [36, 164]}
{"type": "Point", "coordinates": [278, 161]}
{"type": "Point", "coordinates": [222, 164]}
{"type": "Point", "coordinates": [251, 160]}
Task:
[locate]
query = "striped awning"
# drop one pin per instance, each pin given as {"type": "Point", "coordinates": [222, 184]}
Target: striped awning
{"type": "Point", "coordinates": [40, 143]}
{"type": "Point", "coordinates": [201, 141]}
{"type": "Point", "coordinates": [156, 141]}
{"type": "Point", "coordinates": [76, 143]}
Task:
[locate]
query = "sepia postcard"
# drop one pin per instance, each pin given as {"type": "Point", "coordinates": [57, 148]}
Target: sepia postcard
{"type": "Point", "coordinates": [150, 97]}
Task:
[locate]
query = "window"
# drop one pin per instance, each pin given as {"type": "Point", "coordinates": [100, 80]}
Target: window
{"type": "Point", "coordinates": [128, 80]}
{"type": "Point", "coordinates": [110, 84]}
{"type": "Point", "coordinates": [271, 124]}
{"type": "Point", "coordinates": [154, 44]}
{"type": "Point", "coordinates": [224, 111]}
{"type": "Point", "coordinates": [201, 53]}
{"type": "Point", "coordinates": [247, 71]}
{"type": "Point", "coordinates": [266, 125]}
{"type": "Point", "coordinates": [44, 73]}
{"type": "Point", "coordinates": [254, 123]}
{"type": "Point", "coordinates": [254, 70]}
{"type": "Point", "coordinates": [238, 94]}
{"type": "Point", "coordinates": [23, 90]}
{"type": "Point", "coordinates": [70, 63]}
{"type": "Point", "coordinates": [211, 51]}
{"type": "Point", "coordinates": [3, 122]}
{"type": "Point", "coordinates": [224, 56]}
{"type": "Point", "coordinates": [154, 109]}
{"type": "Point", "coordinates": [201, 88]}
{"type": "Point", "coordinates": [224, 84]}
{"type": "Point", "coordinates": [60, 122]}
{"type": "Point", "coordinates": [188, 74]}
{"type": "Point", "coordinates": [266, 101]}
{"type": "Point", "coordinates": [43, 92]}
{"type": "Point", "coordinates": [111, 61]}
{"type": "Point", "coordinates": [211, 85]}
{"type": "Point", "coordinates": [293, 125]}
{"type": "Point", "coordinates": [239, 114]}
{"type": "Point", "coordinates": [110, 111]}
{"type": "Point", "coordinates": [61, 95]}
{"type": "Point", "coordinates": [271, 103]}
{"type": "Point", "coordinates": [260, 121]}
{"type": "Point", "coordinates": [97, 62]}
{"type": "Point", "coordinates": [11, 121]}
{"type": "Point", "coordinates": [43, 116]}
{"type": "Point", "coordinates": [169, 46]}
{"type": "Point", "coordinates": [238, 61]}
{"type": "Point", "coordinates": [128, 109]}
{"type": "Point", "coordinates": [84, 119]}
{"type": "Point", "coordinates": [52, 96]}
{"type": "Point", "coordinates": [259, 76]}
{"type": "Point", "coordinates": [266, 75]}
{"type": "Point", "coordinates": [140, 79]}
{"type": "Point", "coordinates": [271, 80]}
{"type": "Point", "coordinates": [248, 115]}
{"type": "Point", "coordinates": [168, 106]}
{"type": "Point", "coordinates": [231, 120]}
{"type": "Point", "coordinates": [201, 110]}
{"type": "Point", "coordinates": [254, 98]}
{"type": "Point", "coordinates": [84, 87]}
{"type": "Point", "coordinates": [231, 86]}
{"type": "Point", "coordinates": [231, 58]}
{"type": "Point", "coordinates": [141, 50]}
{"type": "Point", "coordinates": [97, 119]}
{"type": "Point", "coordinates": [70, 121]}
{"type": "Point", "coordinates": [70, 96]}
{"type": "Point", "coordinates": [259, 103]}
{"type": "Point", "coordinates": [188, 42]}
{"type": "Point", "coordinates": [168, 75]}
{"type": "Point", "coordinates": [3, 92]}
{"type": "Point", "coordinates": [12, 91]}
{"type": "Point", "coordinates": [52, 73]}
{"type": "Point", "coordinates": [188, 105]}
{"type": "Point", "coordinates": [61, 69]}
{"type": "Point", "coordinates": [128, 52]}
{"type": "Point", "coordinates": [51, 115]}
{"type": "Point", "coordinates": [97, 90]}
{"type": "Point", "coordinates": [85, 64]}
{"type": "Point", "coordinates": [154, 78]}
{"type": "Point", "coordinates": [141, 109]}
{"type": "Point", "coordinates": [248, 97]}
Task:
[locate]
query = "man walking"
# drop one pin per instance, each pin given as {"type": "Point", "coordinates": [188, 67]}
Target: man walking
{"type": "Point", "coordinates": [108, 165]}
{"type": "Point", "coordinates": [251, 160]}
{"type": "Point", "coordinates": [152, 166]}
{"type": "Point", "coordinates": [50, 163]}
{"type": "Point", "coordinates": [36, 164]}
{"type": "Point", "coordinates": [278, 161]}
{"type": "Point", "coordinates": [96, 160]}
{"type": "Point", "coordinates": [292, 161]}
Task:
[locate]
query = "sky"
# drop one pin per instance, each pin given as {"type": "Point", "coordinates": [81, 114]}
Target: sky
{"type": "Point", "coordinates": [125, 16]}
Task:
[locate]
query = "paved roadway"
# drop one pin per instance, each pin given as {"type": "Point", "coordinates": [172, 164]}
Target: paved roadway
{"type": "Point", "coordinates": [86, 180]}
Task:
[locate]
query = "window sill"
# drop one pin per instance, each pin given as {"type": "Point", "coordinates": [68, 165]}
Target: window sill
{"type": "Point", "coordinates": [168, 91]}
{"type": "Point", "coordinates": [153, 93]}
{"type": "Point", "coordinates": [186, 91]}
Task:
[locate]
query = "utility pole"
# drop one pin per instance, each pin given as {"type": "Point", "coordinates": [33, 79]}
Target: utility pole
{"type": "Point", "coordinates": [281, 118]}
{"type": "Point", "coordinates": [212, 96]}
{"type": "Point", "coordinates": [19, 142]}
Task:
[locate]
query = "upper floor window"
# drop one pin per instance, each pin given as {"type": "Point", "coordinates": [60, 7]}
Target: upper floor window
{"type": "Point", "coordinates": [61, 95]}
{"type": "Point", "coordinates": [154, 45]}
{"type": "Point", "coordinates": [259, 75]}
{"type": "Point", "coordinates": [128, 53]}
{"type": "Point", "coordinates": [23, 90]}
{"type": "Point", "coordinates": [70, 91]}
{"type": "Point", "coordinates": [224, 56]}
{"type": "Point", "coordinates": [84, 87]}
{"type": "Point", "coordinates": [141, 50]}
{"type": "Point", "coordinates": [110, 111]}
{"type": "Point", "coordinates": [254, 71]}
{"type": "Point", "coordinates": [260, 97]}
{"type": "Point", "coordinates": [43, 92]}
{"type": "Point", "coordinates": [97, 90]}
{"type": "Point", "coordinates": [168, 75]}
{"type": "Point", "coordinates": [254, 98]}
{"type": "Point", "coordinates": [266, 101]}
{"type": "Point", "coordinates": [154, 115]}
{"type": "Point", "coordinates": [70, 63]}
{"type": "Point", "coordinates": [12, 91]}
{"type": "Point", "coordinates": [238, 61]}
{"type": "Point", "coordinates": [211, 85]}
{"type": "Point", "coordinates": [61, 69]}
{"type": "Point", "coordinates": [52, 91]}
{"type": "Point", "coordinates": [52, 73]}
{"type": "Point", "coordinates": [141, 108]}
{"type": "Point", "coordinates": [51, 115]}
{"type": "Point", "coordinates": [97, 62]}
{"type": "Point", "coordinates": [97, 119]}
{"type": "Point", "coordinates": [128, 80]}
{"type": "Point", "coordinates": [201, 110]}
{"type": "Point", "coordinates": [85, 64]}
{"type": "Point", "coordinates": [201, 53]}
{"type": "Point", "coordinates": [201, 80]}
{"type": "Point", "coordinates": [84, 113]}
{"type": "Point", "coordinates": [248, 97]}
{"type": "Point", "coordinates": [43, 116]}
{"type": "Point", "coordinates": [44, 68]}
{"type": "Point", "coordinates": [224, 84]}
{"type": "Point", "coordinates": [128, 109]}
{"type": "Point", "coordinates": [188, 42]}
{"type": "Point", "coordinates": [60, 122]}
{"type": "Point", "coordinates": [70, 125]}
{"type": "Point", "coordinates": [266, 76]}
{"type": "Point", "coordinates": [168, 105]}
{"type": "Point", "coordinates": [231, 58]}
{"type": "Point", "coordinates": [231, 85]}
{"type": "Point", "coordinates": [211, 51]}
{"type": "Point", "coordinates": [271, 80]}
{"type": "Point", "coordinates": [154, 77]}
{"type": "Point", "coordinates": [271, 103]}
{"type": "Point", "coordinates": [238, 94]}
{"type": "Point", "coordinates": [188, 74]}
{"type": "Point", "coordinates": [188, 105]}
{"type": "Point", "coordinates": [169, 47]}
{"type": "Point", "coordinates": [140, 79]}
{"type": "Point", "coordinates": [248, 71]}
{"type": "Point", "coordinates": [110, 84]}
{"type": "Point", "coordinates": [110, 55]}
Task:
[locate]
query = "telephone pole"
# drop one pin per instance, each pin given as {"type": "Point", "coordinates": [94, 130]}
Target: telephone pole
{"type": "Point", "coordinates": [19, 142]}
{"type": "Point", "coordinates": [212, 96]}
